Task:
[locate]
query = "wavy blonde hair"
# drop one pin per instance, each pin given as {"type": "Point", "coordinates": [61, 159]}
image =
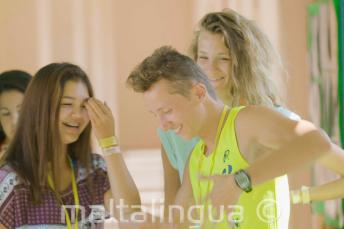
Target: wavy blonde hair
{"type": "Point", "coordinates": [253, 57]}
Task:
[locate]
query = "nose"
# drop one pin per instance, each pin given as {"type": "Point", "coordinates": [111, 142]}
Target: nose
{"type": "Point", "coordinates": [77, 112]}
{"type": "Point", "coordinates": [164, 123]}
{"type": "Point", "coordinates": [15, 119]}
{"type": "Point", "coordinates": [210, 66]}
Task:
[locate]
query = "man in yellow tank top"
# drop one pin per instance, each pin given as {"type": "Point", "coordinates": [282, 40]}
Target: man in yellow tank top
{"type": "Point", "coordinates": [243, 152]}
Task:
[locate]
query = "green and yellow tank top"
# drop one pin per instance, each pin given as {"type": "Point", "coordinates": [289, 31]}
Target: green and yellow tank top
{"type": "Point", "coordinates": [267, 206]}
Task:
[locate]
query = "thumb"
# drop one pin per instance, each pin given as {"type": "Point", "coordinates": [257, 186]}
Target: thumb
{"type": "Point", "coordinates": [204, 178]}
{"type": "Point", "coordinates": [210, 180]}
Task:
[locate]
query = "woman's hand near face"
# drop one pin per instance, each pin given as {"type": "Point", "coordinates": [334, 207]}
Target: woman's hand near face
{"type": "Point", "coordinates": [102, 120]}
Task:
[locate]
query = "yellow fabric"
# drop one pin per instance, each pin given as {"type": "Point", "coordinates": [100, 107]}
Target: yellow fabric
{"type": "Point", "coordinates": [227, 159]}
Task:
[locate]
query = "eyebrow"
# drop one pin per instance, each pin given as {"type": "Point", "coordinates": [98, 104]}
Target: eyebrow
{"type": "Point", "coordinates": [159, 109]}
{"type": "Point", "coordinates": [73, 98]}
{"type": "Point", "coordinates": [221, 53]}
{"type": "Point", "coordinates": [67, 97]}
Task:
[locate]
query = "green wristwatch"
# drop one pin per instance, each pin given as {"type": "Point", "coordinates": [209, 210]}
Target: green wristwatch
{"type": "Point", "coordinates": [243, 180]}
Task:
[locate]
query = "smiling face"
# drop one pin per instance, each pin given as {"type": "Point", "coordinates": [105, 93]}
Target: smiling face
{"type": "Point", "coordinates": [73, 117]}
{"type": "Point", "coordinates": [10, 104]}
{"type": "Point", "coordinates": [175, 111]}
{"type": "Point", "coordinates": [213, 57]}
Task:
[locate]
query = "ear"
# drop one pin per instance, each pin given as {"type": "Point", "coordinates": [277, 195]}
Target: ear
{"type": "Point", "coordinates": [199, 90]}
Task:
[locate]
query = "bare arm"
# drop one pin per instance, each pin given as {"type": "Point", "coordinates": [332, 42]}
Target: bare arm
{"type": "Point", "coordinates": [123, 190]}
{"type": "Point", "coordinates": [184, 199]}
{"type": "Point", "coordinates": [293, 144]}
{"type": "Point", "coordinates": [171, 182]}
{"type": "Point", "coordinates": [290, 145]}
{"type": "Point", "coordinates": [334, 189]}
{"type": "Point", "coordinates": [334, 160]}
{"type": "Point", "coordinates": [328, 191]}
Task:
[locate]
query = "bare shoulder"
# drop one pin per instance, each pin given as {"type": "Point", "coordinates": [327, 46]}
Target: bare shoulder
{"type": "Point", "coordinates": [262, 127]}
{"type": "Point", "coordinates": [262, 119]}
{"type": "Point", "coordinates": [260, 113]}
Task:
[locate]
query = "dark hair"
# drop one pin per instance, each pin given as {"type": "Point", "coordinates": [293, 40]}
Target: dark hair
{"type": "Point", "coordinates": [37, 141]}
{"type": "Point", "coordinates": [167, 63]}
{"type": "Point", "coordinates": [13, 80]}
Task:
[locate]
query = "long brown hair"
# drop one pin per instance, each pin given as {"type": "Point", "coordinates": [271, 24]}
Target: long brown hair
{"type": "Point", "coordinates": [253, 57]}
{"type": "Point", "coordinates": [37, 141]}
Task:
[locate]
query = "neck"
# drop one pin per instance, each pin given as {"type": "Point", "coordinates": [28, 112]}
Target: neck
{"type": "Point", "coordinates": [63, 162]}
{"type": "Point", "coordinates": [227, 98]}
{"type": "Point", "coordinates": [63, 176]}
{"type": "Point", "coordinates": [224, 96]}
{"type": "Point", "coordinates": [209, 129]}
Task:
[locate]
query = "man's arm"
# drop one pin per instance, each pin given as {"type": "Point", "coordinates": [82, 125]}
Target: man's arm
{"type": "Point", "coordinates": [291, 145]}
{"type": "Point", "coordinates": [300, 152]}
{"type": "Point", "coordinates": [302, 145]}
{"type": "Point", "coordinates": [184, 200]}
{"type": "Point", "coordinates": [171, 182]}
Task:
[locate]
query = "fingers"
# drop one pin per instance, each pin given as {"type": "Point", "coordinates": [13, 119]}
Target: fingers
{"type": "Point", "coordinates": [103, 123]}
{"type": "Point", "coordinates": [98, 108]}
{"type": "Point", "coordinates": [203, 178]}
{"type": "Point", "coordinates": [93, 109]}
{"type": "Point", "coordinates": [107, 108]}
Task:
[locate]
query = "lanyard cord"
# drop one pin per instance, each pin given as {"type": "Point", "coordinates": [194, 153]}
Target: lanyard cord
{"type": "Point", "coordinates": [75, 194]}
{"type": "Point", "coordinates": [222, 122]}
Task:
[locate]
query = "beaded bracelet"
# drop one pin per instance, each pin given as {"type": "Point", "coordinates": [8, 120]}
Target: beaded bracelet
{"type": "Point", "coordinates": [301, 196]}
{"type": "Point", "coordinates": [111, 150]}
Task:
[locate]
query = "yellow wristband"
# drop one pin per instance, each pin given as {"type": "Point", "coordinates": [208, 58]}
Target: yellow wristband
{"type": "Point", "coordinates": [108, 142]}
{"type": "Point", "coordinates": [306, 198]}
{"type": "Point", "coordinates": [296, 197]}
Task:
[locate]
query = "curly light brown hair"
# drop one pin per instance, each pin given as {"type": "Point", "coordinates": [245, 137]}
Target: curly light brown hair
{"type": "Point", "coordinates": [253, 57]}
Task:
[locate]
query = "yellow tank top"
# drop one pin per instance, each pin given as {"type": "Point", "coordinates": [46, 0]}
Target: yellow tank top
{"type": "Point", "coordinates": [267, 206]}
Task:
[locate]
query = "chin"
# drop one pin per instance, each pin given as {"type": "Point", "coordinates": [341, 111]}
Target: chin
{"type": "Point", "coordinates": [185, 137]}
{"type": "Point", "coordinates": [69, 140]}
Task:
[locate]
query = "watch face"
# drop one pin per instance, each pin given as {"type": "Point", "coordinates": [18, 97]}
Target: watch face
{"type": "Point", "coordinates": [243, 180]}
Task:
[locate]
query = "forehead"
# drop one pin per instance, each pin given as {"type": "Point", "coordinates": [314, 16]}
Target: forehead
{"type": "Point", "coordinates": [211, 40]}
{"type": "Point", "coordinates": [159, 95]}
{"type": "Point", "coordinates": [11, 98]}
{"type": "Point", "coordinates": [75, 89]}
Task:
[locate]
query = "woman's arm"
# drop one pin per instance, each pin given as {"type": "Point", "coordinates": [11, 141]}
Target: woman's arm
{"type": "Point", "coordinates": [124, 194]}
{"type": "Point", "coordinates": [332, 190]}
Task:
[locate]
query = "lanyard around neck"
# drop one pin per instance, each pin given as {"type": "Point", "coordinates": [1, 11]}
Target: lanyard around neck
{"type": "Point", "coordinates": [221, 124]}
{"type": "Point", "coordinates": [75, 194]}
